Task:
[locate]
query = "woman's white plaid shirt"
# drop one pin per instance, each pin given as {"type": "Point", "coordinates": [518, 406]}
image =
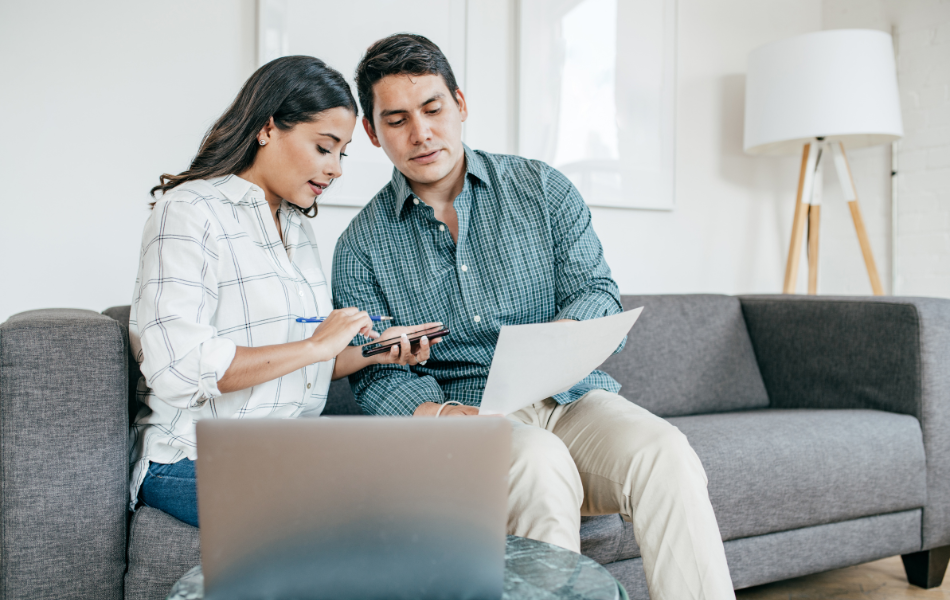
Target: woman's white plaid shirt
{"type": "Point", "coordinates": [214, 275]}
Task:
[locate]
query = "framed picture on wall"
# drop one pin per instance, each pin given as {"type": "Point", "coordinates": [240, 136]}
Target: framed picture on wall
{"type": "Point", "coordinates": [597, 96]}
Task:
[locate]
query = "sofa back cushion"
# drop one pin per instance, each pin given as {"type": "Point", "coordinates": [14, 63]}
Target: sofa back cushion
{"type": "Point", "coordinates": [121, 314]}
{"type": "Point", "coordinates": [687, 355]}
{"type": "Point", "coordinates": [340, 400]}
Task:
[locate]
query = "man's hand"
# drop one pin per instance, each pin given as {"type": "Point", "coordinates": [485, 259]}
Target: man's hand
{"type": "Point", "coordinates": [429, 409]}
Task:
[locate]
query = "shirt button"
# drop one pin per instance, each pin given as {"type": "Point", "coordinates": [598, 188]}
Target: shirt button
{"type": "Point", "coordinates": [415, 201]}
{"type": "Point", "coordinates": [478, 319]}
{"type": "Point", "coordinates": [300, 292]}
{"type": "Point", "coordinates": [308, 386]}
{"type": "Point", "coordinates": [464, 268]}
{"type": "Point", "coordinates": [441, 227]}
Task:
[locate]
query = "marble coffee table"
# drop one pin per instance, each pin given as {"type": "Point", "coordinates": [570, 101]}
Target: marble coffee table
{"type": "Point", "coordinates": [533, 571]}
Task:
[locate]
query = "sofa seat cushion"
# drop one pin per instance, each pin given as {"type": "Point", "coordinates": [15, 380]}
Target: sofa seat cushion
{"type": "Point", "coordinates": [161, 550]}
{"type": "Point", "coordinates": [607, 539]}
{"type": "Point", "coordinates": [774, 470]}
{"type": "Point", "coordinates": [768, 470]}
{"type": "Point", "coordinates": [777, 470]}
{"type": "Point", "coordinates": [688, 355]}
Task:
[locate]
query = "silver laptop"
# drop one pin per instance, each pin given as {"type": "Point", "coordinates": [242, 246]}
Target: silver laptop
{"type": "Point", "coordinates": [358, 507]}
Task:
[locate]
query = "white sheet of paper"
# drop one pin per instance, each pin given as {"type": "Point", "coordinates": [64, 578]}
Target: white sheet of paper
{"type": "Point", "coordinates": [533, 362]}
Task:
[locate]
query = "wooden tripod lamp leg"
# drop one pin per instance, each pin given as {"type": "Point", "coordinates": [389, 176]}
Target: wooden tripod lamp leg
{"type": "Point", "coordinates": [814, 219]}
{"type": "Point", "coordinates": [846, 179]}
{"type": "Point", "coordinates": [798, 223]}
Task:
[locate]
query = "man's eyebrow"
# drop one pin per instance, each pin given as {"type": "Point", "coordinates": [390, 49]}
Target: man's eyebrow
{"type": "Point", "coordinates": [387, 113]}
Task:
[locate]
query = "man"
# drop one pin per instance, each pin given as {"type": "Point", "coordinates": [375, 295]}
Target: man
{"type": "Point", "coordinates": [479, 241]}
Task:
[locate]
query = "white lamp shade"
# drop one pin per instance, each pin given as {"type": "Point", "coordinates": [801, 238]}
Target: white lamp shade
{"type": "Point", "coordinates": [840, 85]}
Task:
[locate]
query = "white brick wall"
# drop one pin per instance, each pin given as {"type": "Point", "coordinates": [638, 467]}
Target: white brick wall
{"type": "Point", "coordinates": [922, 244]}
{"type": "Point", "coordinates": [923, 179]}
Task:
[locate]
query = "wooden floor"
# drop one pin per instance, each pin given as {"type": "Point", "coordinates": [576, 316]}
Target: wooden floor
{"type": "Point", "coordinates": [879, 580]}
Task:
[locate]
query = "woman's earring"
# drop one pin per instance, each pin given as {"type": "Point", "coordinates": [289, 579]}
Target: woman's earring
{"type": "Point", "coordinates": [263, 141]}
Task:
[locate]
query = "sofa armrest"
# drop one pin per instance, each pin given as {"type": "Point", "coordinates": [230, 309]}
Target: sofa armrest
{"type": "Point", "coordinates": [889, 354]}
{"type": "Point", "coordinates": [63, 455]}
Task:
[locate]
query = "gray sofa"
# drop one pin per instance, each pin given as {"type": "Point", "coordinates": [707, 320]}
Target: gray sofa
{"type": "Point", "coordinates": [823, 424]}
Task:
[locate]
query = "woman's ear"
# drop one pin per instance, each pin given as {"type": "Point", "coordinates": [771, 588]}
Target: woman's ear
{"type": "Point", "coordinates": [266, 132]}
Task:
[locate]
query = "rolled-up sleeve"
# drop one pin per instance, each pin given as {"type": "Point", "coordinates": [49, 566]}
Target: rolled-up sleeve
{"type": "Point", "coordinates": [182, 356]}
{"type": "Point", "coordinates": [584, 288]}
{"type": "Point", "coordinates": [392, 390]}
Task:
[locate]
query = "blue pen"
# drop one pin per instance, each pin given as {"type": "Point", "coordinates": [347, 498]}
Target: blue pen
{"type": "Point", "coordinates": [320, 319]}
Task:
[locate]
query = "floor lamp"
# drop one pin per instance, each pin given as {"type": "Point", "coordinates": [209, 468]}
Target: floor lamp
{"type": "Point", "coordinates": [818, 94]}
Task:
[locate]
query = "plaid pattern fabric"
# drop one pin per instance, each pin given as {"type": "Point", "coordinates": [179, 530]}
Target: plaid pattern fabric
{"type": "Point", "coordinates": [526, 253]}
{"type": "Point", "coordinates": [214, 275]}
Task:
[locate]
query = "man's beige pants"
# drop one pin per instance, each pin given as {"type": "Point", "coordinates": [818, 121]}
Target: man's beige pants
{"type": "Point", "coordinates": [604, 455]}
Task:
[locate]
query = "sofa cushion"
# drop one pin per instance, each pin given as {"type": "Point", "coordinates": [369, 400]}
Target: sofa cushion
{"type": "Point", "coordinates": [161, 550]}
{"type": "Point", "coordinates": [340, 399]}
{"type": "Point", "coordinates": [688, 355]}
{"type": "Point", "coordinates": [121, 314]}
{"type": "Point", "coordinates": [607, 538]}
{"type": "Point", "coordinates": [774, 470]}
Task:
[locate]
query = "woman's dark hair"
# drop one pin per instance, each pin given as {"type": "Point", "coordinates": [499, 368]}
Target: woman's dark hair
{"type": "Point", "coordinates": [292, 89]}
{"type": "Point", "coordinates": [400, 54]}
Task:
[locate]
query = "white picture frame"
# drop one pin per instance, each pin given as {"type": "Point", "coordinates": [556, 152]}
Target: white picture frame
{"type": "Point", "coordinates": [597, 96]}
{"type": "Point", "coordinates": [273, 37]}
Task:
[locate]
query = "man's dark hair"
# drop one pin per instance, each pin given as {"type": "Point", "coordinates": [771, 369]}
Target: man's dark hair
{"type": "Point", "coordinates": [400, 54]}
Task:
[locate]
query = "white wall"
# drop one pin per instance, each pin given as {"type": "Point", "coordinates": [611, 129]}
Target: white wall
{"type": "Point", "coordinates": [923, 234]}
{"type": "Point", "coordinates": [117, 92]}
{"type": "Point", "coordinates": [99, 99]}
{"type": "Point", "coordinates": [922, 37]}
{"type": "Point", "coordinates": [729, 232]}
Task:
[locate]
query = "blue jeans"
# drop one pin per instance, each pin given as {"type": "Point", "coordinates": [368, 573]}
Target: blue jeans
{"type": "Point", "coordinates": [171, 489]}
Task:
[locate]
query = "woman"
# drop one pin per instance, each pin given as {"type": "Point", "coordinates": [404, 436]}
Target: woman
{"type": "Point", "coordinates": [227, 266]}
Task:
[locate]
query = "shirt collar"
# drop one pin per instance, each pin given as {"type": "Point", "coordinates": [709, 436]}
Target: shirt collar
{"type": "Point", "coordinates": [233, 187]}
{"type": "Point", "coordinates": [474, 167]}
{"type": "Point", "coordinates": [237, 190]}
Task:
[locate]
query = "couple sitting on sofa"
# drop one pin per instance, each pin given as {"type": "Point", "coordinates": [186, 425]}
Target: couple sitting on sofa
{"type": "Point", "coordinates": [473, 240]}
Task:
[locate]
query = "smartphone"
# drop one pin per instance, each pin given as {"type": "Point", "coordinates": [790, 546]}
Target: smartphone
{"type": "Point", "coordinates": [384, 345]}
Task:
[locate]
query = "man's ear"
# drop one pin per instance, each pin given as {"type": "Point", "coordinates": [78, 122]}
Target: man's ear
{"type": "Point", "coordinates": [368, 127]}
{"type": "Point", "coordinates": [463, 107]}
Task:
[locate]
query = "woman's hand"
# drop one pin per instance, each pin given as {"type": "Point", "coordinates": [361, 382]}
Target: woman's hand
{"type": "Point", "coordinates": [337, 331]}
{"type": "Point", "coordinates": [402, 354]}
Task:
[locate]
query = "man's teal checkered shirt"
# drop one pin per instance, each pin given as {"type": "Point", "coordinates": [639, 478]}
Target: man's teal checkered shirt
{"type": "Point", "coordinates": [526, 253]}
